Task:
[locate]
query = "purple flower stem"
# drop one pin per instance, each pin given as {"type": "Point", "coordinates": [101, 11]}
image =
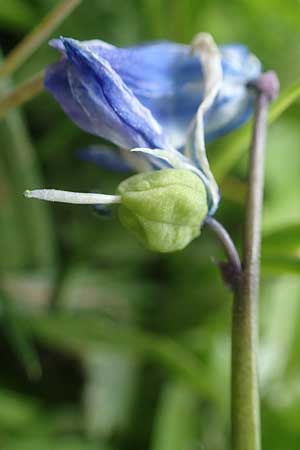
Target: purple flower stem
{"type": "Point", "coordinates": [231, 269]}
{"type": "Point", "coordinates": [245, 408]}
{"type": "Point", "coordinates": [244, 280]}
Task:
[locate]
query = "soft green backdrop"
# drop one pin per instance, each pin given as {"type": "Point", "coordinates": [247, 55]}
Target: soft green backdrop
{"type": "Point", "coordinates": [105, 345]}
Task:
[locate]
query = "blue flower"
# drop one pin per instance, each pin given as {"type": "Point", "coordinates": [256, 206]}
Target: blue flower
{"type": "Point", "coordinates": [147, 96]}
{"type": "Point", "coordinates": [162, 101]}
{"type": "Point", "coordinates": [159, 103]}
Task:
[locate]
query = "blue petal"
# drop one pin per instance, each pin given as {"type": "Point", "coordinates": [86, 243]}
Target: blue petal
{"type": "Point", "coordinates": [97, 99]}
{"type": "Point", "coordinates": [56, 81]}
{"type": "Point", "coordinates": [239, 65]}
{"type": "Point", "coordinates": [228, 112]}
{"type": "Point", "coordinates": [167, 80]}
{"type": "Point", "coordinates": [163, 76]}
{"type": "Point", "coordinates": [110, 159]}
{"type": "Point", "coordinates": [235, 102]}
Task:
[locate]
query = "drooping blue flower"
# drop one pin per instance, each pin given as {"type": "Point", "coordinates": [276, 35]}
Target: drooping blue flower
{"type": "Point", "coordinates": [161, 100]}
{"type": "Point", "coordinates": [159, 103]}
{"type": "Point", "coordinates": [148, 95]}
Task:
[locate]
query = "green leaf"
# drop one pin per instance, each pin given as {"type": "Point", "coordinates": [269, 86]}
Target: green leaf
{"type": "Point", "coordinates": [285, 239]}
{"type": "Point", "coordinates": [17, 333]}
{"type": "Point", "coordinates": [17, 411]}
{"type": "Point", "coordinates": [279, 329]}
{"type": "Point", "coordinates": [279, 264]}
{"type": "Point", "coordinates": [84, 332]}
{"type": "Point", "coordinates": [33, 223]}
{"type": "Point", "coordinates": [37, 442]}
{"type": "Point", "coordinates": [17, 14]}
{"type": "Point", "coordinates": [176, 418]}
{"type": "Point", "coordinates": [232, 146]}
{"type": "Point", "coordinates": [110, 386]}
{"type": "Point", "coordinates": [36, 37]}
{"type": "Point", "coordinates": [287, 97]}
{"type": "Point", "coordinates": [13, 246]}
{"type": "Point", "coordinates": [155, 14]}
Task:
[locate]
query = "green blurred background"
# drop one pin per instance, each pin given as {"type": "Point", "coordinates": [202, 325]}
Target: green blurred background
{"type": "Point", "coordinates": [103, 344]}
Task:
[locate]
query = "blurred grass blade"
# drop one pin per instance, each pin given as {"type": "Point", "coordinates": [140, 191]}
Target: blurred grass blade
{"type": "Point", "coordinates": [284, 101]}
{"type": "Point", "coordinates": [154, 13]}
{"type": "Point", "coordinates": [18, 336]}
{"type": "Point", "coordinates": [33, 220]}
{"type": "Point", "coordinates": [81, 333]}
{"type": "Point", "coordinates": [111, 387]}
{"type": "Point", "coordinates": [232, 147]}
{"type": "Point", "coordinates": [285, 239]}
{"type": "Point", "coordinates": [37, 36]}
{"type": "Point", "coordinates": [21, 94]}
{"type": "Point", "coordinates": [16, 14]}
{"type": "Point", "coordinates": [281, 264]}
{"type": "Point", "coordinates": [234, 189]}
{"type": "Point", "coordinates": [176, 418]}
{"type": "Point", "coordinates": [13, 246]}
{"type": "Point", "coordinates": [279, 328]}
{"type": "Point", "coordinates": [18, 412]}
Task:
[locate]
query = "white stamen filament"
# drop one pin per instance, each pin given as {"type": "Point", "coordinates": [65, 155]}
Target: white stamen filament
{"type": "Point", "coordinates": [54, 195]}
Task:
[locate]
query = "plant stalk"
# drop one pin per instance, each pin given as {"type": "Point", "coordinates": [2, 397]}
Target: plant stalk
{"type": "Point", "coordinates": [37, 36]}
{"type": "Point", "coordinates": [22, 93]}
{"type": "Point", "coordinates": [245, 408]}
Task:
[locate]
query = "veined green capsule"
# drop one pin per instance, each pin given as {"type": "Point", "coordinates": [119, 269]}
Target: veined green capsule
{"type": "Point", "coordinates": [164, 209]}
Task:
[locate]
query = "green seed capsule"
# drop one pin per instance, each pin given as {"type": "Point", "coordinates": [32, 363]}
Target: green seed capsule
{"type": "Point", "coordinates": [164, 209]}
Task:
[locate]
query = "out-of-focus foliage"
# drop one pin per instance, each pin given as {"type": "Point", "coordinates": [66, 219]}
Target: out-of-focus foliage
{"type": "Point", "coordinates": [134, 347]}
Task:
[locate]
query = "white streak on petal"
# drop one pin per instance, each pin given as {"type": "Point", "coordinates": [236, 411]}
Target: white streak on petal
{"type": "Point", "coordinates": [54, 195]}
{"type": "Point", "coordinates": [207, 51]}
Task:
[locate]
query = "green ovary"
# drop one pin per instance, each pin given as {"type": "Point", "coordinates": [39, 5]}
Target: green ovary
{"type": "Point", "coordinates": [164, 209]}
